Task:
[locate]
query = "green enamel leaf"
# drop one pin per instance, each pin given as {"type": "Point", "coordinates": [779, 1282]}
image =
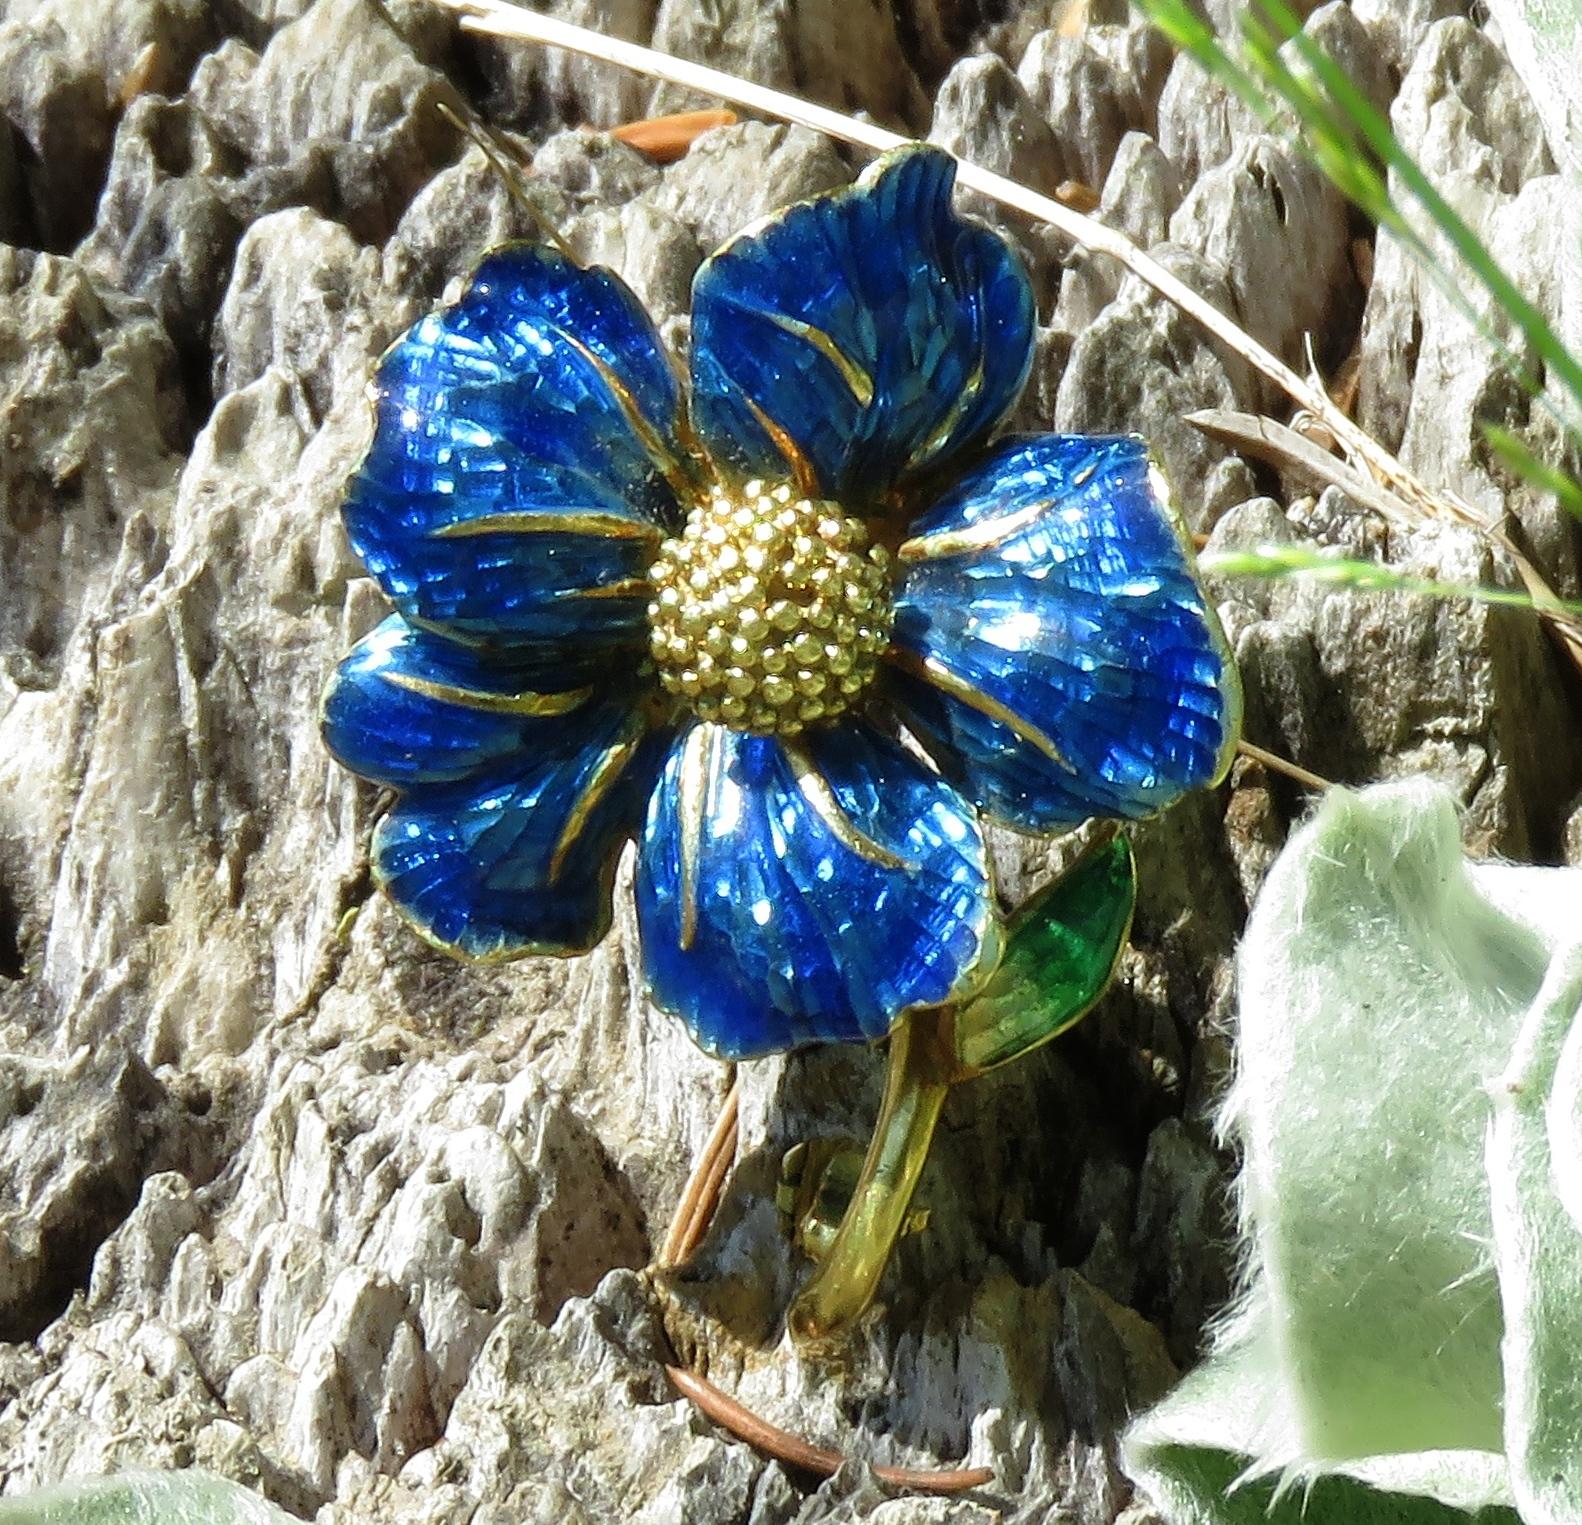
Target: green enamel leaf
{"type": "Point", "coordinates": [1060, 954]}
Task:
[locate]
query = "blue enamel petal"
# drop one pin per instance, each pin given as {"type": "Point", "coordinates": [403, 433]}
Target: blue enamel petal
{"type": "Point", "coordinates": [805, 891]}
{"type": "Point", "coordinates": [851, 341]}
{"type": "Point", "coordinates": [408, 706]}
{"type": "Point", "coordinates": [1050, 634]}
{"type": "Point", "coordinates": [520, 858]}
{"type": "Point", "coordinates": [524, 458]}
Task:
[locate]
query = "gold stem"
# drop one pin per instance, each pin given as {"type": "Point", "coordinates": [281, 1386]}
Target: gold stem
{"type": "Point", "coordinates": [915, 1082]}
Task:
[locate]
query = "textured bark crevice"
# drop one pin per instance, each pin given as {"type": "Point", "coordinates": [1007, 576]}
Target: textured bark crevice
{"type": "Point", "coordinates": [293, 1197]}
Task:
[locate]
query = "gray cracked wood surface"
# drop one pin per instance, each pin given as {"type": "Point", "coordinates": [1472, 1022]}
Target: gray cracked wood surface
{"type": "Point", "coordinates": [285, 1194]}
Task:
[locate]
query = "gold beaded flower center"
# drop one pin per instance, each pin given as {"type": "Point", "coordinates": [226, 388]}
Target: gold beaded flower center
{"type": "Point", "coordinates": [770, 611]}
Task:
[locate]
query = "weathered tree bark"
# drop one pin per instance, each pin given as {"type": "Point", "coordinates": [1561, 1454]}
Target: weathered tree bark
{"type": "Point", "coordinates": [286, 1194]}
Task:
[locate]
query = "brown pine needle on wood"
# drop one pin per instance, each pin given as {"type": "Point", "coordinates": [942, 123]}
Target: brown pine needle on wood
{"type": "Point", "coordinates": [1074, 193]}
{"type": "Point", "coordinates": [693, 1214]}
{"type": "Point", "coordinates": [730, 1415]}
{"type": "Point", "coordinates": [701, 1195]}
{"type": "Point", "coordinates": [666, 138]}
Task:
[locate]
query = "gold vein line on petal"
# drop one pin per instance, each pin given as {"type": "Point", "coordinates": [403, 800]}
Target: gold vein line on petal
{"type": "Point", "coordinates": [524, 703]}
{"type": "Point", "coordinates": [802, 469]}
{"type": "Point", "coordinates": [581, 522]}
{"type": "Point", "coordinates": [670, 468]}
{"type": "Point", "coordinates": [695, 775]}
{"type": "Point", "coordinates": [817, 792]}
{"type": "Point", "coordinates": [858, 382]}
{"type": "Point", "coordinates": [935, 442]}
{"type": "Point", "coordinates": [932, 670]}
{"type": "Point", "coordinates": [981, 536]}
{"type": "Point", "coordinates": [600, 781]}
{"type": "Point", "coordinates": [625, 587]}
{"type": "Point", "coordinates": [440, 628]}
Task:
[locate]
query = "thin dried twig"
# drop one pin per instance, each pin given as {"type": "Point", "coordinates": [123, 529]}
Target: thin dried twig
{"type": "Point", "coordinates": [1566, 629]}
{"type": "Point", "coordinates": [726, 1412]}
{"type": "Point", "coordinates": [701, 1195]}
{"type": "Point", "coordinates": [499, 154]}
{"type": "Point", "coordinates": [1282, 447]}
{"type": "Point", "coordinates": [1413, 500]}
{"type": "Point", "coordinates": [1277, 764]}
{"type": "Point", "coordinates": [717, 1162]}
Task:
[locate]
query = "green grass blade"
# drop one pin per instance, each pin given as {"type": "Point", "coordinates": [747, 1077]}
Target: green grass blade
{"type": "Point", "coordinates": [1376, 132]}
{"type": "Point", "coordinates": [1513, 452]}
{"type": "Point", "coordinates": [1188, 33]}
{"type": "Point", "coordinates": [1352, 144]}
{"type": "Point", "coordinates": [1371, 577]}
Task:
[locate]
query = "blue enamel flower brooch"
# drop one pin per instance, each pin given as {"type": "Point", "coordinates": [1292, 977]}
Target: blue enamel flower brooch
{"type": "Point", "coordinates": [798, 626]}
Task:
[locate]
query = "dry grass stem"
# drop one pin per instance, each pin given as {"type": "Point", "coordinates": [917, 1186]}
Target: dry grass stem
{"type": "Point", "coordinates": [1277, 764]}
{"type": "Point", "coordinates": [503, 19]}
{"type": "Point", "coordinates": [1282, 447]}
